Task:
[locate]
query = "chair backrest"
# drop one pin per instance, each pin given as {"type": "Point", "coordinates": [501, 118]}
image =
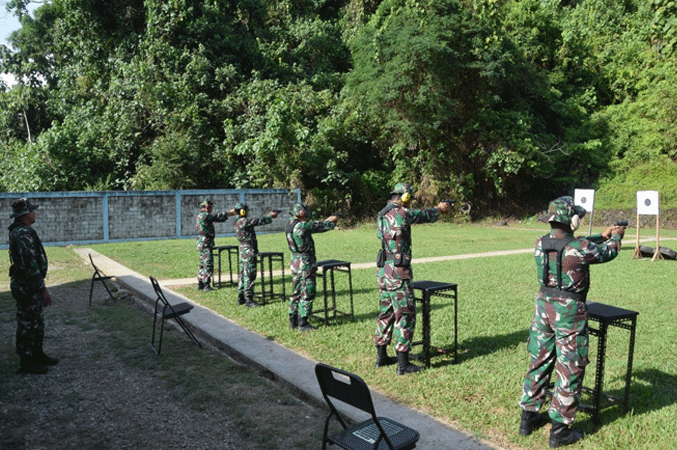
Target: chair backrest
{"type": "Point", "coordinates": [344, 386]}
{"type": "Point", "coordinates": [158, 290]}
{"type": "Point", "coordinates": [96, 269]}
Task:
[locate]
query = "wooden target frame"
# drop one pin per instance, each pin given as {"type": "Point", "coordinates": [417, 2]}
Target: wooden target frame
{"type": "Point", "coordinates": [648, 204]}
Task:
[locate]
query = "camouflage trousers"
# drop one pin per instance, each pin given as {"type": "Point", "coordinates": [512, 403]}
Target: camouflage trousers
{"type": "Point", "coordinates": [303, 293]}
{"type": "Point", "coordinates": [30, 323]}
{"type": "Point", "coordinates": [398, 314]}
{"type": "Point", "coordinates": [247, 272]}
{"type": "Point", "coordinates": [205, 266]}
{"type": "Point", "coordinates": [558, 340]}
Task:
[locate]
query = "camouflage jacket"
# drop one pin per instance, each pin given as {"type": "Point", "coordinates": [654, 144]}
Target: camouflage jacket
{"type": "Point", "coordinates": [577, 256]}
{"type": "Point", "coordinates": [244, 230]}
{"type": "Point", "coordinates": [300, 241]}
{"type": "Point", "coordinates": [393, 226]}
{"type": "Point", "coordinates": [205, 226]}
{"type": "Point", "coordinates": [27, 257]}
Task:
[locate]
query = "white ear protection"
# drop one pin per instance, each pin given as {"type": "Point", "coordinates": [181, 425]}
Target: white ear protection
{"type": "Point", "coordinates": [575, 222]}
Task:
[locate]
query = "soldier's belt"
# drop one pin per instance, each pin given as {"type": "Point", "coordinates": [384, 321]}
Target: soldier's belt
{"type": "Point", "coordinates": [557, 292]}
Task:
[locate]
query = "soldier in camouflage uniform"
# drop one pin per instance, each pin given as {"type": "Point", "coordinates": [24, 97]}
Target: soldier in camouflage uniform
{"type": "Point", "coordinates": [28, 269]}
{"type": "Point", "coordinates": [558, 339]}
{"type": "Point", "coordinates": [394, 276]}
{"type": "Point", "coordinates": [205, 243]}
{"type": "Point", "coordinates": [246, 235]}
{"type": "Point", "coordinates": [303, 263]}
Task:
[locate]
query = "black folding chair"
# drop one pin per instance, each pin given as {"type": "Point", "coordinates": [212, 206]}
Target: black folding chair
{"type": "Point", "coordinates": [167, 311]}
{"type": "Point", "coordinates": [376, 433]}
{"type": "Point", "coordinates": [98, 276]}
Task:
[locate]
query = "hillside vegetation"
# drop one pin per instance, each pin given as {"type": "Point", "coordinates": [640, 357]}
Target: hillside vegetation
{"type": "Point", "coordinates": [502, 103]}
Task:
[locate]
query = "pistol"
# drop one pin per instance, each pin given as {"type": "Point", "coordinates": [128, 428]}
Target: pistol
{"type": "Point", "coordinates": [622, 223]}
{"type": "Point", "coordinates": [338, 214]}
{"type": "Point", "coordinates": [276, 210]}
{"type": "Point", "coordinates": [448, 200]}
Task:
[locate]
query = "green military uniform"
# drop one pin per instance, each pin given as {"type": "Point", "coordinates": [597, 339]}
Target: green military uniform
{"type": "Point", "coordinates": [397, 318]}
{"type": "Point", "coordinates": [205, 243]}
{"type": "Point", "coordinates": [27, 282]}
{"type": "Point", "coordinates": [246, 235]}
{"type": "Point", "coordinates": [303, 264]}
{"type": "Point", "coordinates": [558, 339]}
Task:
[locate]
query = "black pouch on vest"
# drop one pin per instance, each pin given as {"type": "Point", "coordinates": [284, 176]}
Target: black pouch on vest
{"type": "Point", "coordinates": [402, 260]}
{"type": "Point", "coordinates": [380, 258]}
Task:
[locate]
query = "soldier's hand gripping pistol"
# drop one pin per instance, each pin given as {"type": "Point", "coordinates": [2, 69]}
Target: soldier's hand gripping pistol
{"type": "Point", "coordinates": [618, 228]}
{"type": "Point", "coordinates": [445, 205]}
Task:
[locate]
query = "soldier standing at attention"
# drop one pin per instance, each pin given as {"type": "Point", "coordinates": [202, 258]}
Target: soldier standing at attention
{"type": "Point", "coordinates": [303, 263]}
{"type": "Point", "coordinates": [246, 235]}
{"type": "Point", "coordinates": [558, 339]}
{"type": "Point", "coordinates": [398, 311]}
{"type": "Point", "coordinates": [28, 269]}
{"type": "Point", "coordinates": [205, 243]}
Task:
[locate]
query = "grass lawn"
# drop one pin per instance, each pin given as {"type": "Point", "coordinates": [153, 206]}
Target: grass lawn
{"type": "Point", "coordinates": [480, 393]}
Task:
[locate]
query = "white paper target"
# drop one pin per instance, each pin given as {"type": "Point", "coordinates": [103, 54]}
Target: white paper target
{"type": "Point", "coordinates": [647, 203]}
{"type": "Point", "coordinates": [585, 198]}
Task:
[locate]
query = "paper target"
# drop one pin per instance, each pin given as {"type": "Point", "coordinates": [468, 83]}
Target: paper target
{"type": "Point", "coordinates": [647, 203]}
{"type": "Point", "coordinates": [585, 198]}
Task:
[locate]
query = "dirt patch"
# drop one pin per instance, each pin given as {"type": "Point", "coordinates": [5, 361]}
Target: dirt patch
{"type": "Point", "coordinates": [110, 390]}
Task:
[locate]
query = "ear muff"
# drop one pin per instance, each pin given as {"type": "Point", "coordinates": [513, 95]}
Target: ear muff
{"type": "Point", "coordinates": [405, 197]}
{"type": "Point", "coordinates": [243, 212]}
{"type": "Point", "coordinates": [575, 222]}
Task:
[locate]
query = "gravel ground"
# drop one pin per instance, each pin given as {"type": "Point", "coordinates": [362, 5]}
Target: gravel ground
{"type": "Point", "coordinates": [110, 391]}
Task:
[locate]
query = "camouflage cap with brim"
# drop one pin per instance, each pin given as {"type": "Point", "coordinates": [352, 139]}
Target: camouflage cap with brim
{"type": "Point", "coordinates": [22, 206]}
{"type": "Point", "coordinates": [205, 203]}
{"type": "Point", "coordinates": [403, 188]}
{"type": "Point", "coordinates": [562, 210]}
{"type": "Point", "coordinates": [241, 205]}
{"type": "Point", "coordinates": [296, 210]}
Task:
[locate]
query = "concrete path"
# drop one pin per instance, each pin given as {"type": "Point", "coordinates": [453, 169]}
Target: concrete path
{"type": "Point", "coordinates": [284, 365]}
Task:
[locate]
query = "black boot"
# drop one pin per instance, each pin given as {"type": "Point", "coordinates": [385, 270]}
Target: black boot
{"type": "Point", "coordinates": [240, 299]}
{"type": "Point", "coordinates": [293, 320]}
{"type": "Point", "coordinates": [40, 359]}
{"type": "Point", "coordinates": [530, 422]}
{"type": "Point", "coordinates": [561, 435]}
{"type": "Point", "coordinates": [27, 365]}
{"type": "Point", "coordinates": [200, 285]}
{"type": "Point", "coordinates": [404, 366]}
{"type": "Point", "coordinates": [304, 325]}
{"type": "Point", "coordinates": [250, 303]}
{"type": "Point", "coordinates": [382, 358]}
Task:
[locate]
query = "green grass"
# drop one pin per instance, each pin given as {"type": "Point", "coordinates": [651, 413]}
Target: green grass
{"type": "Point", "coordinates": [479, 394]}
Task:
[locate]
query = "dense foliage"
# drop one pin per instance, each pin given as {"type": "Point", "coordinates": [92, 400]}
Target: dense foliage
{"type": "Point", "coordinates": [503, 103]}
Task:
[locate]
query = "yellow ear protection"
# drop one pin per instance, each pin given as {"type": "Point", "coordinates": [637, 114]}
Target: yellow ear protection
{"type": "Point", "coordinates": [405, 197]}
{"type": "Point", "coordinates": [243, 212]}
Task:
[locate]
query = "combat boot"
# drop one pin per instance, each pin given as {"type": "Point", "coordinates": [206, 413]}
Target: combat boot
{"type": "Point", "coordinates": [40, 359]}
{"type": "Point", "coordinates": [293, 321]}
{"type": "Point", "coordinates": [404, 366]}
{"type": "Point", "coordinates": [530, 422]}
{"type": "Point", "coordinates": [250, 303]}
{"type": "Point", "coordinates": [304, 325]}
{"type": "Point", "coordinates": [240, 299]}
{"type": "Point", "coordinates": [561, 435]}
{"type": "Point", "coordinates": [200, 285]}
{"type": "Point", "coordinates": [382, 358]}
{"type": "Point", "coordinates": [27, 366]}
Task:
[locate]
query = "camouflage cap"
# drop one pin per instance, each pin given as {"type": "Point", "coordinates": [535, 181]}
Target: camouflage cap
{"type": "Point", "coordinates": [296, 211]}
{"type": "Point", "coordinates": [403, 188]}
{"type": "Point", "coordinates": [562, 210]}
{"type": "Point", "coordinates": [22, 206]}
{"type": "Point", "coordinates": [205, 203]}
{"type": "Point", "coordinates": [242, 205]}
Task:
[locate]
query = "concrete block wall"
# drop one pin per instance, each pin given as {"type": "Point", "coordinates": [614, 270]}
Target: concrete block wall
{"type": "Point", "coordinates": [95, 217]}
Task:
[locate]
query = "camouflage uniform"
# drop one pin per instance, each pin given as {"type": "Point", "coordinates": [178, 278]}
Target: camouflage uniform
{"type": "Point", "coordinates": [303, 263]}
{"type": "Point", "coordinates": [398, 311]}
{"type": "Point", "coordinates": [205, 243]}
{"type": "Point", "coordinates": [246, 235]}
{"type": "Point", "coordinates": [558, 338]}
{"type": "Point", "coordinates": [27, 272]}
